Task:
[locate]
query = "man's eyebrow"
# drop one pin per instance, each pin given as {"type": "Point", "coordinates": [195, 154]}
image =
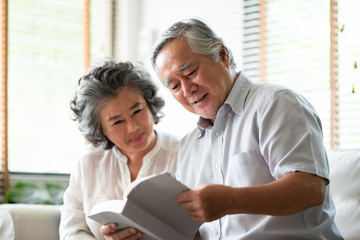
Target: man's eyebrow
{"type": "Point", "coordinates": [185, 66]}
{"type": "Point", "coordinates": [131, 108]}
{"type": "Point", "coordinates": [181, 69]}
{"type": "Point", "coordinates": [167, 82]}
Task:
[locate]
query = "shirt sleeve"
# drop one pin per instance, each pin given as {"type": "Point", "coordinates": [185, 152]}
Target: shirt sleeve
{"type": "Point", "coordinates": [290, 136]}
{"type": "Point", "coordinates": [73, 224]}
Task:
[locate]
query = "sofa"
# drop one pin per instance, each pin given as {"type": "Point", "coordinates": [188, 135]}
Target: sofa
{"type": "Point", "coordinates": [29, 222]}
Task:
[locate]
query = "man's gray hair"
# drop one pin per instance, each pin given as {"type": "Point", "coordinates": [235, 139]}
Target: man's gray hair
{"type": "Point", "coordinates": [104, 81]}
{"type": "Point", "coordinates": [200, 37]}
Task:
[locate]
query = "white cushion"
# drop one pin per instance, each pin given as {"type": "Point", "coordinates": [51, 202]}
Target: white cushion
{"type": "Point", "coordinates": [345, 191]}
{"type": "Point", "coordinates": [29, 222]}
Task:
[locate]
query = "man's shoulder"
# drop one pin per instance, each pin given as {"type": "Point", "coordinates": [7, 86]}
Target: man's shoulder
{"type": "Point", "coordinates": [168, 141]}
{"type": "Point", "coordinates": [193, 139]}
{"type": "Point", "coordinates": [265, 93]}
{"type": "Point", "coordinates": [270, 88]}
{"type": "Point", "coordinates": [193, 134]}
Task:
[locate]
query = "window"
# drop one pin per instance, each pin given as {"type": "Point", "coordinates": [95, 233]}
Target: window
{"type": "Point", "coordinates": [44, 60]}
{"type": "Point", "coordinates": [290, 43]}
{"type": "Point", "coordinates": [349, 73]}
{"type": "Point", "coordinates": [45, 48]}
{"type": "Point", "coordinates": [140, 24]}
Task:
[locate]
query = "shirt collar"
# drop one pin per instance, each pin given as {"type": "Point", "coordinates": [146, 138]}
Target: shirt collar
{"type": "Point", "coordinates": [236, 100]}
{"type": "Point", "coordinates": [238, 93]}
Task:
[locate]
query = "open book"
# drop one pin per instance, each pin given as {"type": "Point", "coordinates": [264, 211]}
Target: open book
{"type": "Point", "coordinates": [149, 205]}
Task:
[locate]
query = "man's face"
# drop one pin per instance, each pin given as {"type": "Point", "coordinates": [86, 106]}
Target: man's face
{"type": "Point", "coordinates": [200, 84]}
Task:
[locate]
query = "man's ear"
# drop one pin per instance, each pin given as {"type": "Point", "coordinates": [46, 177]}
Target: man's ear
{"type": "Point", "coordinates": [224, 55]}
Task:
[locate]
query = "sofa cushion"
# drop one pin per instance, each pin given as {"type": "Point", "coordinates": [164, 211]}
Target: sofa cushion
{"type": "Point", "coordinates": [29, 222]}
{"type": "Point", "coordinates": [345, 190]}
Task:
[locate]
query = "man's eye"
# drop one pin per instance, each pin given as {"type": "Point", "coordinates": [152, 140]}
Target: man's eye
{"type": "Point", "coordinates": [173, 88]}
{"type": "Point", "coordinates": [192, 73]}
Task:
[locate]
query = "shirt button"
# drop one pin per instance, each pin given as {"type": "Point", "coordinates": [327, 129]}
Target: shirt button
{"type": "Point", "coordinates": [217, 134]}
{"type": "Point", "coordinates": [229, 114]}
{"type": "Point", "coordinates": [217, 165]}
{"type": "Point", "coordinates": [215, 232]}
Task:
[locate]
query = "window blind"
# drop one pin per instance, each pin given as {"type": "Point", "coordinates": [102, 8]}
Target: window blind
{"type": "Point", "coordinates": [4, 172]}
{"type": "Point", "coordinates": [251, 39]}
{"type": "Point", "coordinates": [298, 52]}
{"type": "Point", "coordinates": [349, 73]}
{"type": "Point", "coordinates": [44, 63]}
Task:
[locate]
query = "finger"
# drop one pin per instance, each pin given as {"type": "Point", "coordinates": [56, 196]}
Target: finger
{"type": "Point", "coordinates": [184, 197]}
{"type": "Point", "coordinates": [189, 206]}
{"type": "Point", "coordinates": [108, 229]}
{"type": "Point", "coordinates": [127, 233]}
{"type": "Point", "coordinates": [133, 234]}
{"type": "Point", "coordinates": [197, 216]}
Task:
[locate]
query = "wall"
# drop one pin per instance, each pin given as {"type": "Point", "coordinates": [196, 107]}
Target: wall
{"type": "Point", "coordinates": [140, 22]}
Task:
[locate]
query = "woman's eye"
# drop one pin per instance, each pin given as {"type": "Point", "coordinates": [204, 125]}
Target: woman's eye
{"type": "Point", "coordinates": [137, 111]}
{"type": "Point", "coordinates": [117, 122]}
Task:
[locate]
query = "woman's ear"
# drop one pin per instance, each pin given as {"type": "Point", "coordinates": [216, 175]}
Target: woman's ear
{"type": "Point", "coordinates": [224, 55]}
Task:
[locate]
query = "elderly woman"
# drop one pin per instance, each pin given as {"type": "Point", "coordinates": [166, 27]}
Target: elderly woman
{"type": "Point", "coordinates": [116, 107]}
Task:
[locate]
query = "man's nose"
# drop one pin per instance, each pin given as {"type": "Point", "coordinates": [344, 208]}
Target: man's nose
{"type": "Point", "coordinates": [189, 88]}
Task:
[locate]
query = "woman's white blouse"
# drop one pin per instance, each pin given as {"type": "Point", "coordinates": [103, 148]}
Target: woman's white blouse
{"type": "Point", "coordinates": [104, 175]}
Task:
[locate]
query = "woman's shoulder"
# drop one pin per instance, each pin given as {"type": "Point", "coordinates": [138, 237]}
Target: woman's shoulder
{"type": "Point", "coordinates": [91, 151]}
{"type": "Point", "coordinates": [93, 155]}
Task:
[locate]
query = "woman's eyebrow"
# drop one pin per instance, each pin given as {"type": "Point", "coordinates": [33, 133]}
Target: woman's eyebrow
{"type": "Point", "coordinates": [112, 118]}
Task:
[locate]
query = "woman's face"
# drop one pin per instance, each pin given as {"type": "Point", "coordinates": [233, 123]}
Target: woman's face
{"type": "Point", "coordinates": [126, 121]}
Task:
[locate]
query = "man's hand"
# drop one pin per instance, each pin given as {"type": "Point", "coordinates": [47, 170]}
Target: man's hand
{"type": "Point", "coordinates": [109, 233]}
{"type": "Point", "coordinates": [291, 194]}
{"type": "Point", "coordinates": [206, 203]}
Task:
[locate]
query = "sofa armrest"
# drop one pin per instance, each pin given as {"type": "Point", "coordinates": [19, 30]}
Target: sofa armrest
{"type": "Point", "coordinates": [29, 221]}
{"type": "Point", "coordinates": [345, 190]}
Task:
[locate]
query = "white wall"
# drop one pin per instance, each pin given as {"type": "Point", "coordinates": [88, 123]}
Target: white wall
{"type": "Point", "coordinates": [141, 22]}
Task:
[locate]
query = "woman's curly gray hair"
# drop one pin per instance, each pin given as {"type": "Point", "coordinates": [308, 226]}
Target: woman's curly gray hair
{"type": "Point", "coordinates": [102, 82]}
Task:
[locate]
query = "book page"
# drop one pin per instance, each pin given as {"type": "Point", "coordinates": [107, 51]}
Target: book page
{"type": "Point", "coordinates": [117, 211]}
{"type": "Point", "coordinates": [157, 196]}
{"type": "Point", "coordinates": [150, 207]}
{"type": "Point", "coordinates": [134, 184]}
{"type": "Point", "coordinates": [126, 214]}
{"type": "Point", "coordinates": [110, 211]}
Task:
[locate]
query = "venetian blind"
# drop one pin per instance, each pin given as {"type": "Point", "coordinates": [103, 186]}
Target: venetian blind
{"type": "Point", "coordinates": [288, 42]}
{"type": "Point", "coordinates": [4, 173]}
{"type": "Point", "coordinates": [349, 73]}
{"type": "Point", "coordinates": [251, 38]}
{"type": "Point", "coordinates": [298, 51]}
{"type": "Point", "coordinates": [44, 61]}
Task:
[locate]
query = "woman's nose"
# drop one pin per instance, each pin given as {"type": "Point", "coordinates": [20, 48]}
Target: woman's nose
{"type": "Point", "coordinates": [132, 125]}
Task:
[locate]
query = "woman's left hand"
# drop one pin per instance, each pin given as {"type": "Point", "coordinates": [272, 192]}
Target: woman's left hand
{"type": "Point", "coordinates": [109, 232]}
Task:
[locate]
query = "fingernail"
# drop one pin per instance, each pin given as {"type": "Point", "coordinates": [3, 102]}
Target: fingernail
{"type": "Point", "coordinates": [113, 225]}
{"type": "Point", "coordinates": [139, 235]}
{"type": "Point", "coordinates": [132, 230]}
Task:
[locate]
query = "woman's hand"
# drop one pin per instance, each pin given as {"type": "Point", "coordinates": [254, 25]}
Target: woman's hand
{"type": "Point", "coordinates": [109, 232]}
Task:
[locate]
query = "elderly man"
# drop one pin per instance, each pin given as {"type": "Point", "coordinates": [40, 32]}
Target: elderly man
{"type": "Point", "coordinates": [256, 163]}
